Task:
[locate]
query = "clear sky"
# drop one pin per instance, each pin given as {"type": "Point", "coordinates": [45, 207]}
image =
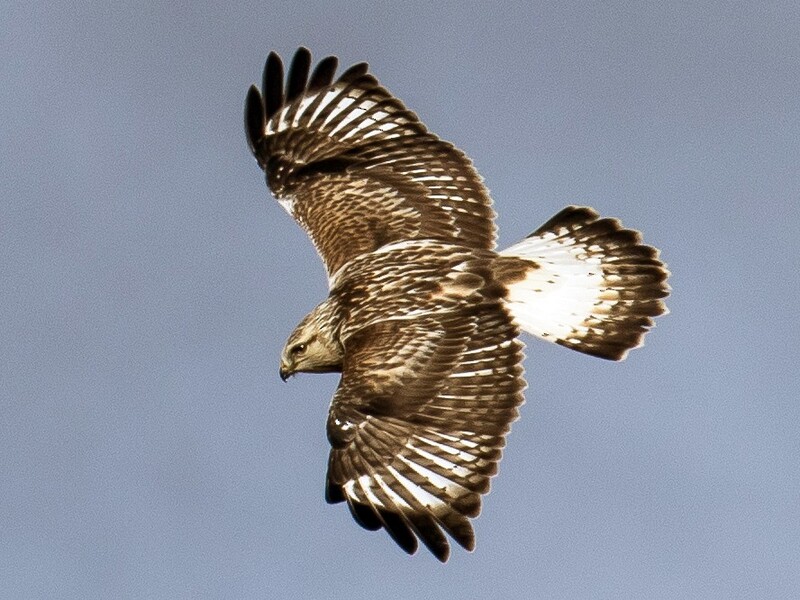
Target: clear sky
{"type": "Point", "coordinates": [148, 448]}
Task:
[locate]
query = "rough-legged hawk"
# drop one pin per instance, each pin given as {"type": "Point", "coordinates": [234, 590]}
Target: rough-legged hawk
{"type": "Point", "coordinates": [423, 313]}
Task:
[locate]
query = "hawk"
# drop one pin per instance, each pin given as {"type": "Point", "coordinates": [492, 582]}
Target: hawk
{"type": "Point", "coordinates": [423, 313]}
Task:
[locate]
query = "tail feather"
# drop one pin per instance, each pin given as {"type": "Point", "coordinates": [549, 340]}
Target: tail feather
{"type": "Point", "coordinates": [589, 284]}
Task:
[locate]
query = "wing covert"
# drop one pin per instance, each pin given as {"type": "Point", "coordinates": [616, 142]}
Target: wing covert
{"type": "Point", "coordinates": [355, 167]}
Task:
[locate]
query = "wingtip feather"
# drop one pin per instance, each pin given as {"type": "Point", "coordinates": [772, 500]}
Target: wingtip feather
{"type": "Point", "coordinates": [298, 74]}
{"type": "Point", "coordinates": [354, 72]}
{"type": "Point", "coordinates": [323, 73]}
{"type": "Point", "coordinates": [272, 84]}
{"type": "Point", "coordinates": [255, 120]}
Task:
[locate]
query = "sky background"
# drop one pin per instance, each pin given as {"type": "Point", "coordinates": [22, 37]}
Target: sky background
{"type": "Point", "coordinates": [148, 281]}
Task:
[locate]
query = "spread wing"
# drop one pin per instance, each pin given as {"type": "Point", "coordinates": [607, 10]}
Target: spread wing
{"type": "Point", "coordinates": [419, 420]}
{"type": "Point", "coordinates": [355, 167]}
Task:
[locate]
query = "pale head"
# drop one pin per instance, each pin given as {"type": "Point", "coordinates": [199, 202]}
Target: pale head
{"type": "Point", "coordinates": [311, 348]}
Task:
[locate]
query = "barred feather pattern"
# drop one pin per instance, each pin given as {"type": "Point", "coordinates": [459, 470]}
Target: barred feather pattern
{"type": "Point", "coordinates": [423, 316]}
{"type": "Point", "coordinates": [419, 422]}
{"type": "Point", "coordinates": [335, 151]}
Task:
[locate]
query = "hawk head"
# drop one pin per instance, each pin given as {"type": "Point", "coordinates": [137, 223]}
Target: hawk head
{"type": "Point", "coordinates": [312, 347]}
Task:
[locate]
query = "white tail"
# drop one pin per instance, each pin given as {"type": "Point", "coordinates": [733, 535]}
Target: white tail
{"type": "Point", "coordinates": [591, 285]}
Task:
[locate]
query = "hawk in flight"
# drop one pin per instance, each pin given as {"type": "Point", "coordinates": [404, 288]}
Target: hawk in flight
{"type": "Point", "coordinates": [423, 313]}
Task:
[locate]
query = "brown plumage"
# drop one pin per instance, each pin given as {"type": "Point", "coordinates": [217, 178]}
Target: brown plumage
{"type": "Point", "coordinates": [423, 314]}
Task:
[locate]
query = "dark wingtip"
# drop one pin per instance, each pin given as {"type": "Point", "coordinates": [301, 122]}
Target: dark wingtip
{"type": "Point", "coordinates": [333, 493]}
{"type": "Point", "coordinates": [354, 72]}
{"type": "Point", "coordinates": [323, 73]}
{"type": "Point", "coordinates": [298, 73]}
{"type": "Point", "coordinates": [441, 555]}
{"type": "Point", "coordinates": [272, 84]}
{"type": "Point", "coordinates": [398, 529]}
{"type": "Point", "coordinates": [254, 118]}
{"type": "Point", "coordinates": [274, 95]}
{"type": "Point", "coordinates": [365, 516]}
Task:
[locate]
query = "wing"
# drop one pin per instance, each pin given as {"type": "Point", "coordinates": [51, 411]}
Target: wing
{"type": "Point", "coordinates": [419, 421]}
{"type": "Point", "coordinates": [355, 167]}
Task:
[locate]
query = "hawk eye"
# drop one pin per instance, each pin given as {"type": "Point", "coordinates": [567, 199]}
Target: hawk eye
{"type": "Point", "coordinates": [298, 349]}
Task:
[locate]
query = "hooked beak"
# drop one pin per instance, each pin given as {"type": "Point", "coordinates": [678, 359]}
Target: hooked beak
{"type": "Point", "coordinates": [284, 372]}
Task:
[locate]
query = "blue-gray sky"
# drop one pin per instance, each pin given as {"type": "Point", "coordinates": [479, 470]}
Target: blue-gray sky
{"type": "Point", "coordinates": [148, 448]}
